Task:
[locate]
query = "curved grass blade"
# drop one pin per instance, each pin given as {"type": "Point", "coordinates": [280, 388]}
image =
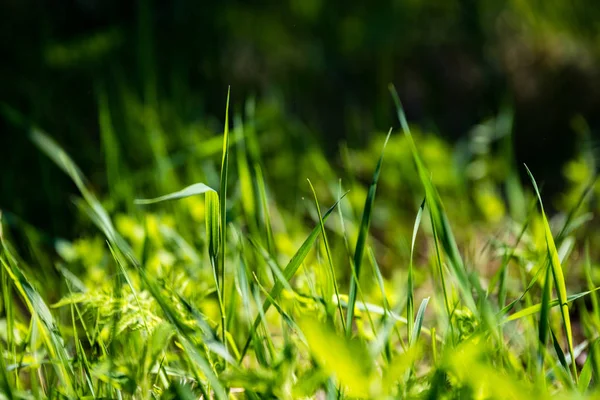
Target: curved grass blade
{"type": "Point", "coordinates": [100, 217]}
{"type": "Point", "coordinates": [438, 216]}
{"type": "Point", "coordinates": [248, 196]}
{"type": "Point", "coordinates": [96, 211]}
{"type": "Point", "coordinates": [223, 219]}
{"type": "Point", "coordinates": [557, 272]}
{"type": "Point", "coordinates": [588, 369]}
{"type": "Point", "coordinates": [184, 333]}
{"type": "Point", "coordinates": [570, 220]}
{"type": "Point", "coordinates": [50, 332]}
{"type": "Point", "coordinates": [288, 272]}
{"type": "Point", "coordinates": [328, 253]}
{"type": "Point", "coordinates": [538, 307]}
{"type": "Point", "coordinates": [419, 321]}
{"type": "Point", "coordinates": [544, 324]}
{"type": "Point", "coordinates": [264, 207]}
{"type": "Point", "coordinates": [410, 304]}
{"type": "Point", "coordinates": [559, 352]}
{"type": "Point", "coordinates": [5, 386]}
{"type": "Point", "coordinates": [192, 190]}
{"type": "Point", "coordinates": [362, 238]}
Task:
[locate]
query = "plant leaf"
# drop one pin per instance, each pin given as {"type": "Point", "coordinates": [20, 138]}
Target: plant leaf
{"type": "Point", "coordinates": [192, 190]}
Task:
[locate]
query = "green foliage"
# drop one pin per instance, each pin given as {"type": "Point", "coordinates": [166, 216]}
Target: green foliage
{"type": "Point", "coordinates": [229, 294]}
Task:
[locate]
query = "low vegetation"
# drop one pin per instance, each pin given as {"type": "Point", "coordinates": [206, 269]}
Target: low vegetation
{"type": "Point", "coordinates": [216, 291]}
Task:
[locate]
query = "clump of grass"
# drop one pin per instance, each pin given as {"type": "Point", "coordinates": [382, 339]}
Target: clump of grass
{"type": "Point", "coordinates": [225, 309]}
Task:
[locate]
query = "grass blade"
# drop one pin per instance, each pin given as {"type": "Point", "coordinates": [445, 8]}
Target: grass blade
{"type": "Point", "coordinates": [544, 324]}
{"type": "Point", "coordinates": [362, 238]}
{"type": "Point", "coordinates": [288, 272]}
{"type": "Point", "coordinates": [50, 332]}
{"type": "Point", "coordinates": [551, 303]}
{"type": "Point", "coordinates": [410, 304]}
{"type": "Point", "coordinates": [97, 212]}
{"type": "Point", "coordinates": [328, 253]}
{"type": "Point", "coordinates": [419, 321]}
{"type": "Point", "coordinates": [438, 215]}
{"type": "Point", "coordinates": [557, 273]}
{"type": "Point", "coordinates": [192, 190]}
{"type": "Point", "coordinates": [223, 219]}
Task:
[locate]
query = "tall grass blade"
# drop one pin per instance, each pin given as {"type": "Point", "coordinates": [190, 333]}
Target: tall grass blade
{"type": "Point", "coordinates": [97, 212]}
{"type": "Point", "coordinates": [361, 242]}
{"type": "Point", "coordinates": [557, 273]}
{"type": "Point", "coordinates": [588, 370]}
{"type": "Point", "coordinates": [288, 272]}
{"type": "Point", "coordinates": [535, 308]}
{"type": "Point", "coordinates": [544, 324]}
{"type": "Point", "coordinates": [223, 219]}
{"type": "Point", "coordinates": [438, 216]}
{"type": "Point", "coordinates": [328, 253]}
{"type": "Point", "coordinates": [410, 303]}
{"type": "Point", "coordinates": [50, 333]}
{"type": "Point", "coordinates": [264, 207]}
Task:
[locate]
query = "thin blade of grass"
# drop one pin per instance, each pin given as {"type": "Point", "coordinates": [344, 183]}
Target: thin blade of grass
{"type": "Point", "coordinates": [544, 323]}
{"type": "Point", "coordinates": [410, 303]}
{"type": "Point", "coordinates": [288, 272]}
{"type": "Point", "coordinates": [418, 325]}
{"type": "Point", "coordinates": [362, 238]}
{"type": "Point", "coordinates": [587, 371]}
{"type": "Point", "coordinates": [248, 196]}
{"type": "Point", "coordinates": [192, 190]}
{"type": "Point", "coordinates": [328, 252]}
{"type": "Point", "coordinates": [98, 213]}
{"type": "Point", "coordinates": [50, 332]}
{"type": "Point", "coordinates": [438, 215]}
{"type": "Point", "coordinates": [573, 212]}
{"type": "Point", "coordinates": [5, 385]}
{"type": "Point", "coordinates": [223, 218]}
{"type": "Point", "coordinates": [264, 207]}
{"type": "Point", "coordinates": [538, 307]}
{"type": "Point", "coordinates": [559, 352]}
{"type": "Point", "coordinates": [587, 267]}
{"type": "Point", "coordinates": [557, 273]}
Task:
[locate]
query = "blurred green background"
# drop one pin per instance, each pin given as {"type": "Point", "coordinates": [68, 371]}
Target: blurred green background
{"type": "Point", "coordinates": [148, 80]}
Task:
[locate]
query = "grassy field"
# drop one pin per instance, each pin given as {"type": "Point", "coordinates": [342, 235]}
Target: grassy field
{"type": "Point", "coordinates": [360, 284]}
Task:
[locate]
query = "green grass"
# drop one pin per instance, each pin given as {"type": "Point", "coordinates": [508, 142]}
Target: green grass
{"type": "Point", "coordinates": [226, 294]}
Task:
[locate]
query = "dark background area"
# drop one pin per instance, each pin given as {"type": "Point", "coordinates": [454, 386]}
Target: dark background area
{"type": "Point", "coordinates": [328, 63]}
